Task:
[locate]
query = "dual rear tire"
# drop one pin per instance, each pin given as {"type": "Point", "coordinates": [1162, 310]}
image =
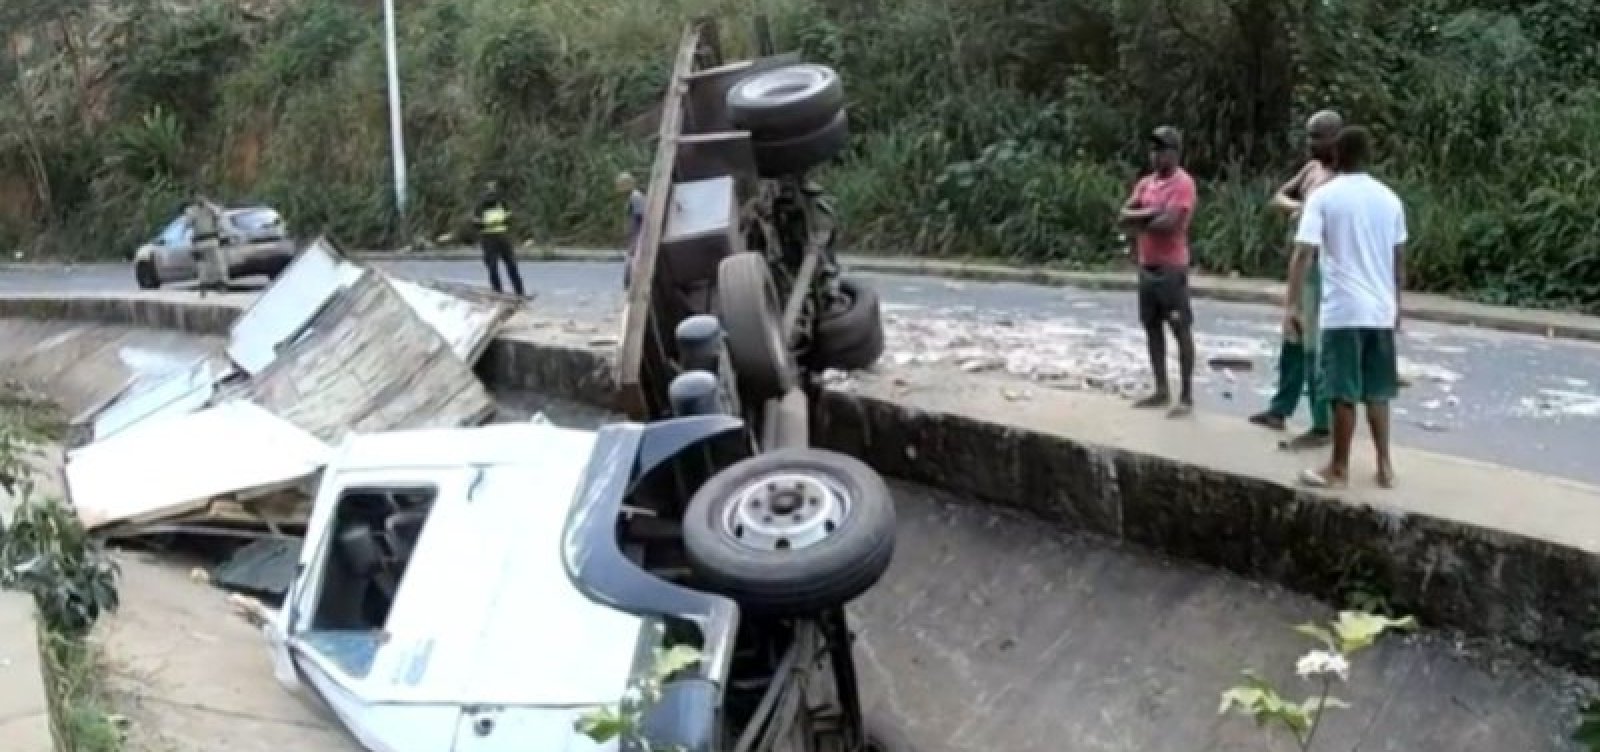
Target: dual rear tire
{"type": "Point", "coordinates": [795, 115]}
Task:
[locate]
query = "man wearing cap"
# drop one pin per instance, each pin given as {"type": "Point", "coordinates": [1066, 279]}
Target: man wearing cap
{"type": "Point", "coordinates": [1298, 369]}
{"type": "Point", "coordinates": [1158, 212]}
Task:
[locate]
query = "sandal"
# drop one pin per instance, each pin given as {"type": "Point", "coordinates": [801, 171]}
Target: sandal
{"type": "Point", "coordinates": [1315, 479]}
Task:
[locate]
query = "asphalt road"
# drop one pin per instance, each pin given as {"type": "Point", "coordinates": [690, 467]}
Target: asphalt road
{"type": "Point", "coordinates": [1518, 400]}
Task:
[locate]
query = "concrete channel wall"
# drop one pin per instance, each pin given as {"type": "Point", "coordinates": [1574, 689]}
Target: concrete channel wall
{"type": "Point", "coordinates": [1490, 551]}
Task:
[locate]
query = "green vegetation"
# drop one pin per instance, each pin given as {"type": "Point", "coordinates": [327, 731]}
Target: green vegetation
{"type": "Point", "coordinates": [45, 551]}
{"type": "Point", "coordinates": [1006, 130]}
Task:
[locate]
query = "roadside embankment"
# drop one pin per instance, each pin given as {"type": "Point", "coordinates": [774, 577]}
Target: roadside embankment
{"type": "Point", "coordinates": [1491, 551]}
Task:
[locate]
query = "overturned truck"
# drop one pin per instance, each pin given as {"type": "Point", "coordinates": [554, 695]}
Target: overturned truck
{"type": "Point", "coordinates": [492, 588]}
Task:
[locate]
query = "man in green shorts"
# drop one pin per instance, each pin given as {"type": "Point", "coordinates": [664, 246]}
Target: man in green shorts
{"type": "Point", "coordinates": [1297, 357]}
{"type": "Point", "coordinates": [1357, 227]}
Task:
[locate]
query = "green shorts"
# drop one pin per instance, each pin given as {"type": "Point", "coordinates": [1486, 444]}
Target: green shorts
{"type": "Point", "coordinates": [1311, 306]}
{"type": "Point", "coordinates": [1359, 365]}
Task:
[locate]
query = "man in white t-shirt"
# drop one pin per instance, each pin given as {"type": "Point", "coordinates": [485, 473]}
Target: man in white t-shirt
{"type": "Point", "coordinates": [1357, 227]}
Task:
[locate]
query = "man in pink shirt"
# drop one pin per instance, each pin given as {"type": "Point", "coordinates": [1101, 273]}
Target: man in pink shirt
{"type": "Point", "coordinates": [1158, 213]}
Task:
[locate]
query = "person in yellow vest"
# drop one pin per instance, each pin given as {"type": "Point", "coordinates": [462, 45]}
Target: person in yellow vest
{"type": "Point", "coordinates": [494, 237]}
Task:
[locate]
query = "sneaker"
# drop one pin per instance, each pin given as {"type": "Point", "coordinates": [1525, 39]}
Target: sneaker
{"type": "Point", "coordinates": [1307, 440]}
{"type": "Point", "coordinates": [1268, 419]}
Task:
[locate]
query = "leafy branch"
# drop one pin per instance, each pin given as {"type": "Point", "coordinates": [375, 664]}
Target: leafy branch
{"type": "Point", "coordinates": [1350, 633]}
{"type": "Point", "coordinates": [625, 720]}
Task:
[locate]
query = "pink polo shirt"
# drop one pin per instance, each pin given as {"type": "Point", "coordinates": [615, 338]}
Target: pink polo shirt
{"type": "Point", "coordinates": [1170, 248]}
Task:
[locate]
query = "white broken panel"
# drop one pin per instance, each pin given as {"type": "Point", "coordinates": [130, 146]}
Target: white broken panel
{"type": "Point", "coordinates": [466, 325]}
{"type": "Point", "coordinates": [164, 469]}
{"type": "Point", "coordinates": [176, 394]}
{"type": "Point", "coordinates": [700, 208]}
{"type": "Point", "coordinates": [368, 363]}
{"type": "Point", "coordinates": [284, 309]}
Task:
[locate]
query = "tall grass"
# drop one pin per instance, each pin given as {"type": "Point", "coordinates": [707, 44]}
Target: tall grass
{"type": "Point", "coordinates": [997, 128]}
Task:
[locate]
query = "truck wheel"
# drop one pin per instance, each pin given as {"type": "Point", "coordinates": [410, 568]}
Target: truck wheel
{"type": "Point", "coordinates": [785, 102]}
{"type": "Point", "coordinates": [792, 531]}
{"type": "Point", "coordinates": [752, 322]}
{"type": "Point", "coordinates": [796, 154]}
{"type": "Point", "coordinates": [850, 338]}
{"type": "Point", "coordinates": [144, 273]}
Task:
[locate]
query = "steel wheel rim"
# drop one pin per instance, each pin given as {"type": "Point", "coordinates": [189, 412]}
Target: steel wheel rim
{"type": "Point", "coordinates": [786, 512]}
{"type": "Point", "coordinates": [783, 85]}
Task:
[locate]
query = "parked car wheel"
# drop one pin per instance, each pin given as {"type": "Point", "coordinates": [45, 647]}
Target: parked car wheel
{"type": "Point", "coordinates": [796, 154]}
{"type": "Point", "coordinates": [786, 102]}
{"type": "Point", "coordinates": [144, 273]}
{"type": "Point", "coordinates": [791, 532]}
{"type": "Point", "coordinates": [850, 338]}
{"type": "Point", "coordinates": [752, 321]}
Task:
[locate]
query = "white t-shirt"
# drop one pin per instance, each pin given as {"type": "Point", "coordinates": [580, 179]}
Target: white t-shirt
{"type": "Point", "coordinates": [1355, 221]}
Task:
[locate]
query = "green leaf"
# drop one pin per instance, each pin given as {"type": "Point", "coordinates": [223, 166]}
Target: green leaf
{"type": "Point", "coordinates": [1358, 629]}
{"type": "Point", "coordinates": [673, 660]}
{"type": "Point", "coordinates": [1313, 706]}
{"type": "Point", "coordinates": [1245, 699]}
{"type": "Point", "coordinates": [1319, 634]}
{"type": "Point", "coordinates": [600, 725]}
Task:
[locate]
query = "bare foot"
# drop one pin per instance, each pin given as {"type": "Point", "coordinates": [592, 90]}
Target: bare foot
{"type": "Point", "coordinates": [1159, 399]}
{"type": "Point", "coordinates": [1385, 477]}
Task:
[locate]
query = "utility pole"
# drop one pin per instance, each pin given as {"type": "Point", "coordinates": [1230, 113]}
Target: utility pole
{"type": "Point", "coordinates": [397, 144]}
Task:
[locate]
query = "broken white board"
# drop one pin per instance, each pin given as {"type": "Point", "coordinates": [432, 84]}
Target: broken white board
{"type": "Point", "coordinates": [466, 325]}
{"type": "Point", "coordinates": [164, 469]}
{"type": "Point", "coordinates": [285, 308]}
{"type": "Point", "coordinates": [368, 363]}
{"type": "Point", "coordinates": [179, 393]}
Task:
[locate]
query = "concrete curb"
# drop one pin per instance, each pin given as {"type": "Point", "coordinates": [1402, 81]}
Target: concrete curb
{"type": "Point", "coordinates": [24, 703]}
{"type": "Point", "coordinates": [1476, 577]}
{"type": "Point", "coordinates": [1418, 306]}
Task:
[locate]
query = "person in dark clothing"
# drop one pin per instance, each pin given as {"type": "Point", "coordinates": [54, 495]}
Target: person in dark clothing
{"type": "Point", "coordinates": [494, 237]}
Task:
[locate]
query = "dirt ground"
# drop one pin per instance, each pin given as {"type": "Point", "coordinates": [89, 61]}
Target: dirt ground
{"type": "Point", "coordinates": [191, 675]}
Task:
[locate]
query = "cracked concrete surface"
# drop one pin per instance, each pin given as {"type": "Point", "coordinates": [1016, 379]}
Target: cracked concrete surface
{"type": "Point", "coordinates": [193, 676]}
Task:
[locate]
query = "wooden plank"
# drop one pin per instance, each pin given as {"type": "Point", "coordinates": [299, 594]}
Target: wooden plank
{"type": "Point", "coordinates": [638, 325]}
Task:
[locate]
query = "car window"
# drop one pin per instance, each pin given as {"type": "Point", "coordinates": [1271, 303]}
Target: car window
{"type": "Point", "coordinates": [176, 234]}
{"type": "Point", "coordinates": [251, 221]}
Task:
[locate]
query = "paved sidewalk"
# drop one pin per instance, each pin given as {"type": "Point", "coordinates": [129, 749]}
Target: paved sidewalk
{"type": "Point", "coordinates": [24, 708]}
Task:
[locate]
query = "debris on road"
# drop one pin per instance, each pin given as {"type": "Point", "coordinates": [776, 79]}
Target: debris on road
{"type": "Point", "coordinates": [233, 444]}
{"type": "Point", "coordinates": [1232, 363]}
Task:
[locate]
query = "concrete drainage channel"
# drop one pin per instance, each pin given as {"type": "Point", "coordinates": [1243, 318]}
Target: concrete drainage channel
{"type": "Point", "coordinates": [1443, 548]}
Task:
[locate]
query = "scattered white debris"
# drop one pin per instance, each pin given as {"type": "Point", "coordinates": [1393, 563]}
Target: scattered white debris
{"type": "Point", "coordinates": [1561, 402]}
{"type": "Point", "coordinates": [1414, 371]}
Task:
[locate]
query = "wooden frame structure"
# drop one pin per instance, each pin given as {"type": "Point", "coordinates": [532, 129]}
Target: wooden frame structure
{"type": "Point", "coordinates": [701, 175]}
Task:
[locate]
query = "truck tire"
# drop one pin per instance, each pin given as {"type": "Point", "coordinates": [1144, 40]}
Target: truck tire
{"type": "Point", "coordinates": [785, 102]}
{"type": "Point", "coordinates": [791, 532]}
{"type": "Point", "coordinates": [797, 154]}
{"type": "Point", "coordinates": [751, 315]}
{"type": "Point", "coordinates": [144, 273]}
{"type": "Point", "coordinates": [851, 338]}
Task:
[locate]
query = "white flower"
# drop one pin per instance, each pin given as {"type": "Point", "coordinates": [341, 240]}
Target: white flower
{"type": "Point", "coordinates": [1319, 662]}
